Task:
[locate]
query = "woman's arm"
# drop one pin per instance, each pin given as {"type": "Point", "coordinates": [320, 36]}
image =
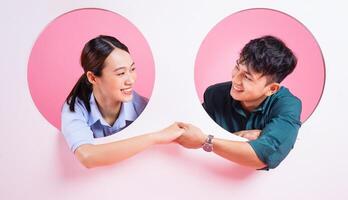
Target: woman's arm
{"type": "Point", "coordinates": [105, 154]}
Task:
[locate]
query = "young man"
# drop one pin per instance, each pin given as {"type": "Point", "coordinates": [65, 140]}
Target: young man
{"type": "Point", "coordinates": [253, 105]}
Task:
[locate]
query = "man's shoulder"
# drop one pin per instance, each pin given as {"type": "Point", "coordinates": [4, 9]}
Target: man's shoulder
{"type": "Point", "coordinates": [285, 102]}
{"type": "Point", "coordinates": [217, 94]}
{"type": "Point", "coordinates": [219, 88]}
{"type": "Point", "coordinates": [284, 94]}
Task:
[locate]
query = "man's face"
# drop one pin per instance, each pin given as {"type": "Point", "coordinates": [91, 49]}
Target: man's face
{"type": "Point", "coordinates": [249, 87]}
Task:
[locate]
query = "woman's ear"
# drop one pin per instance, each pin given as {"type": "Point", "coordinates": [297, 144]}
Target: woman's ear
{"type": "Point", "coordinates": [91, 77]}
{"type": "Point", "coordinates": [273, 88]}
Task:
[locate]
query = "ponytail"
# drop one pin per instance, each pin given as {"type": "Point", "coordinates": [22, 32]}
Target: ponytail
{"type": "Point", "coordinates": [82, 90]}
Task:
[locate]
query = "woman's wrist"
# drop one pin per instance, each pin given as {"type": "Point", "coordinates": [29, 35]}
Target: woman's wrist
{"type": "Point", "coordinates": [154, 137]}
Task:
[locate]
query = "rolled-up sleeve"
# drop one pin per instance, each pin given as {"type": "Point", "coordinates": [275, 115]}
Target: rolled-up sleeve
{"type": "Point", "coordinates": [280, 132]}
{"type": "Point", "coordinates": [75, 126]}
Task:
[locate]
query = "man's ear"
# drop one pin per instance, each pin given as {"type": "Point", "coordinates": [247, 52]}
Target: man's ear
{"type": "Point", "coordinates": [91, 77]}
{"type": "Point", "coordinates": [273, 88]}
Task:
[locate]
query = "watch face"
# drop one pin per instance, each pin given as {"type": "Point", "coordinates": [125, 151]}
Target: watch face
{"type": "Point", "coordinates": [207, 147]}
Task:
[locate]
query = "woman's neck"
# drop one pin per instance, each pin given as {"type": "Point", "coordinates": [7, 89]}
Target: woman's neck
{"type": "Point", "coordinates": [109, 109]}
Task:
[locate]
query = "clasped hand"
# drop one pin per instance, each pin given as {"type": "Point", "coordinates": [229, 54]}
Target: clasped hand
{"type": "Point", "coordinates": [190, 136]}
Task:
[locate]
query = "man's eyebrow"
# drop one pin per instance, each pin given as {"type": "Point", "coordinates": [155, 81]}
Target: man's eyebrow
{"type": "Point", "coordinates": [249, 73]}
{"type": "Point", "coordinates": [124, 67]}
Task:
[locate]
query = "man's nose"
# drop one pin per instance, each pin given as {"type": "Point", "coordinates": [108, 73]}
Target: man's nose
{"type": "Point", "coordinates": [236, 78]}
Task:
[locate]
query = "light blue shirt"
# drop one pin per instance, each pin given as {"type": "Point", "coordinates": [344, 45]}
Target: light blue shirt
{"type": "Point", "coordinates": [81, 127]}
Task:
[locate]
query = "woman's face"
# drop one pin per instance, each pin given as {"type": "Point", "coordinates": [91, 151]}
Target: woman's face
{"type": "Point", "coordinates": [118, 77]}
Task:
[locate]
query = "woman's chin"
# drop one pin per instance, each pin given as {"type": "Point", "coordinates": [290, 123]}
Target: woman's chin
{"type": "Point", "coordinates": [126, 98]}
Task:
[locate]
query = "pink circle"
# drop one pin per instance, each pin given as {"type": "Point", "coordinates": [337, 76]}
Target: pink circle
{"type": "Point", "coordinates": [54, 66]}
{"type": "Point", "coordinates": [220, 50]}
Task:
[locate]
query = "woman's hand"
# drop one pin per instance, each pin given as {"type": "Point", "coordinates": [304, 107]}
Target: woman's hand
{"type": "Point", "coordinates": [167, 135]}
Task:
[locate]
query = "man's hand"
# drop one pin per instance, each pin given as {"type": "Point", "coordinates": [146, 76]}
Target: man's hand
{"type": "Point", "coordinates": [192, 138]}
{"type": "Point", "coordinates": [249, 134]}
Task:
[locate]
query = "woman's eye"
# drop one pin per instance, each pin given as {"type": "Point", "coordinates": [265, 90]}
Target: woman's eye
{"type": "Point", "coordinates": [133, 69]}
{"type": "Point", "coordinates": [120, 74]}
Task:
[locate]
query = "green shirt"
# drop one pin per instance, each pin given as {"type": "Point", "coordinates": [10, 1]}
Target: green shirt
{"type": "Point", "coordinates": [278, 116]}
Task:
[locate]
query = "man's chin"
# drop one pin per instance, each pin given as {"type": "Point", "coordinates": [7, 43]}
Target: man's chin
{"type": "Point", "coordinates": [235, 96]}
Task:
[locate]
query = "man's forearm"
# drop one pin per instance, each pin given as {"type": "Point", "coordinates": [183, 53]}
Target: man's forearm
{"type": "Point", "coordinates": [238, 152]}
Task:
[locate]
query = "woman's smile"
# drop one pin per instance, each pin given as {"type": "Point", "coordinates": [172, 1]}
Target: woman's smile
{"type": "Point", "coordinates": [127, 91]}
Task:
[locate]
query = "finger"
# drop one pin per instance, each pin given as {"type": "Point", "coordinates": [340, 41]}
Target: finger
{"type": "Point", "coordinates": [256, 131]}
{"type": "Point", "coordinates": [251, 136]}
{"type": "Point", "coordinates": [239, 133]}
{"type": "Point", "coordinates": [245, 136]}
{"type": "Point", "coordinates": [181, 131]}
{"type": "Point", "coordinates": [182, 125]}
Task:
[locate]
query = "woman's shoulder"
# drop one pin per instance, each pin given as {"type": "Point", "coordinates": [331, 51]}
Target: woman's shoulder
{"type": "Point", "coordinates": [139, 102]}
{"type": "Point", "coordinates": [79, 107]}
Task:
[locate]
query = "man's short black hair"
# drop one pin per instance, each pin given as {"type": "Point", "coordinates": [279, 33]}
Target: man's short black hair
{"type": "Point", "coordinates": [268, 55]}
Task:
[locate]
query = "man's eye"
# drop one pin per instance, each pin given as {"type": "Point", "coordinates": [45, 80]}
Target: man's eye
{"type": "Point", "coordinates": [133, 69]}
{"type": "Point", "coordinates": [247, 77]}
{"type": "Point", "coordinates": [120, 74]}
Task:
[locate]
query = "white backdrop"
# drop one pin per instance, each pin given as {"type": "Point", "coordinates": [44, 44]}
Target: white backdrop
{"type": "Point", "coordinates": [35, 161]}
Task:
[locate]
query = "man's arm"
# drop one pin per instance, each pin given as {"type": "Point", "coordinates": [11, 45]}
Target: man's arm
{"type": "Point", "coordinates": [239, 152]}
{"type": "Point", "coordinates": [249, 134]}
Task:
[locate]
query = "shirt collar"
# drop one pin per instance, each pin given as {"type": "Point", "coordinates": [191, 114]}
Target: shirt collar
{"type": "Point", "coordinates": [261, 108]}
{"type": "Point", "coordinates": [95, 115]}
{"type": "Point", "coordinates": [127, 113]}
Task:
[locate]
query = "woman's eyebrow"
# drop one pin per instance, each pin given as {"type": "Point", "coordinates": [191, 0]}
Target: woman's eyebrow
{"type": "Point", "coordinates": [124, 67]}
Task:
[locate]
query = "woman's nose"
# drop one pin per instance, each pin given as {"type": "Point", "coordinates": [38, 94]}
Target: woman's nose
{"type": "Point", "coordinates": [130, 79]}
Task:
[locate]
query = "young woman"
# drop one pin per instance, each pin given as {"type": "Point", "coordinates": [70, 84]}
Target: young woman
{"type": "Point", "coordinates": [103, 102]}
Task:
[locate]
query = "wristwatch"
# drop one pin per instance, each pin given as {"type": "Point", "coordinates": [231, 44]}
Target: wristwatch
{"type": "Point", "coordinates": [208, 145]}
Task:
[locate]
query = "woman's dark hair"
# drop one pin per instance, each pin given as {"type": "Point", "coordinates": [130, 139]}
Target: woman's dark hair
{"type": "Point", "coordinates": [92, 58]}
{"type": "Point", "coordinates": [270, 56]}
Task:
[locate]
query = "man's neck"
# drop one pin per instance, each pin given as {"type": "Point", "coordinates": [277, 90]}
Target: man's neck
{"type": "Point", "coordinates": [249, 106]}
